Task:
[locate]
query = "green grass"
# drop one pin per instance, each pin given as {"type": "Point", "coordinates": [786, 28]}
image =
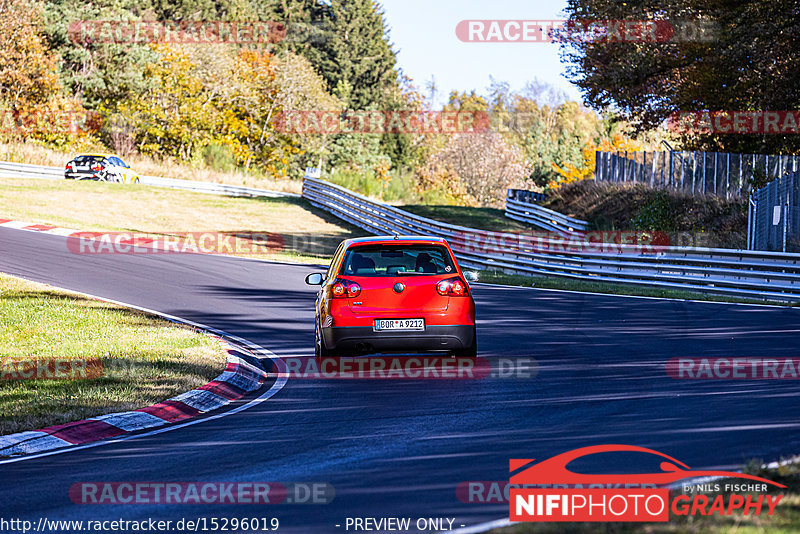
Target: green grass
{"type": "Point", "coordinates": [491, 219]}
{"type": "Point", "coordinates": [399, 188]}
{"type": "Point", "coordinates": [145, 359]}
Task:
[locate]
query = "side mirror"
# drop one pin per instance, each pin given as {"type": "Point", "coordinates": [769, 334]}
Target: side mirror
{"type": "Point", "coordinates": [471, 276]}
{"type": "Point", "coordinates": [315, 279]}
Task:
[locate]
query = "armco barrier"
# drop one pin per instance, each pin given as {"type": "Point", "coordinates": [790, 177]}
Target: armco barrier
{"type": "Point", "coordinates": [742, 273]}
{"type": "Point", "coordinates": [520, 207]}
{"type": "Point", "coordinates": [25, 170]}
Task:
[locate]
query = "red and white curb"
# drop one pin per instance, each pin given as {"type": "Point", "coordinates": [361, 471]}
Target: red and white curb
{"type": "Point", "coordinates": [43, 228]}
{"type": "Point", "coordinates": [140, 240]}
{"type": "Point", "coordinates": [239, 378]}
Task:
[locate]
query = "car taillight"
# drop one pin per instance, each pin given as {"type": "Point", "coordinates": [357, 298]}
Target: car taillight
{"type": "Point", "coordinates": [458, 288]}
{"type": "Point", "coordinates": [345, 288]}
{"type": "Point", "coordinates": [353, 290]}
{"type": "Point", "coordinates": [68, 167]}
{"type": "Point", "coordinates": [452, 287]}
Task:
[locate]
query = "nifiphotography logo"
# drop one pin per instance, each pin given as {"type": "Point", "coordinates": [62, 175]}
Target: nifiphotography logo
{"type": "Point", "coordinates": [571, 496]}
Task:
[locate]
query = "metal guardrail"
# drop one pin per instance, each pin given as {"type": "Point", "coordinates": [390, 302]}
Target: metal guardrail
{"type": "Point", "coordinates": [26, 170]}
{"type": "Point", "coordinates": [520, 207]}
{"type": "Point", "coordinates": [742, 273]}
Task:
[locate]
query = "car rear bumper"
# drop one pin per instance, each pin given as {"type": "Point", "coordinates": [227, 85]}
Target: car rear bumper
{"type": "Point", "coordinates": [81, 176]}
{"type": "Point", "coordinates": [366, 339]}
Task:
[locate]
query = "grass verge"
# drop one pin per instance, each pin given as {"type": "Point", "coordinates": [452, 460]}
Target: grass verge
{"type": "Point", "coordinates": [145, 359]}
{"type": "Point", "coordinates": [308, 235]}
{"type": "Point", "coordinates": [491, 219]}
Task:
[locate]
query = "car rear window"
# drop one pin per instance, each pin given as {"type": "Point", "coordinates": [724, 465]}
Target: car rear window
{"type": "Point", "coordinates": [89, 159]}
{"type": "Point", "coordinates": [397, 260]}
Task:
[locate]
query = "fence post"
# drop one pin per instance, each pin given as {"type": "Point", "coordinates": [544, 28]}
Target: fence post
{"type": "Point", "coordinates": [653, 172]}
{"type": "Point", "coordinates": [741, 191]}
{"type": "Point", "coordinates": [625, 167]}
{"type": "Point", "coordinates": [749, 222]}
{"type": "Point", "coordinates": [728, 177]}
{"type": "Point", "coordinates": [785, 220]}
{"type": "Point", "coordinates": [671, 169]}
{"type": "Point", "coordinates": [766, 165]}
{"type": "Point", "coordinates": [715, 172]}
{"type": "Point", "coordinates": [704, 173]}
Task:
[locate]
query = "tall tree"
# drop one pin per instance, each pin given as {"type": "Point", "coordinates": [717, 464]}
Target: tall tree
{"type": "Point", "coordinates": [722, 56]}
{"type": "Point", "coordinates": [354, 54]}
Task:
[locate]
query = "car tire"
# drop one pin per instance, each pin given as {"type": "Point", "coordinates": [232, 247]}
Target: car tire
{"type": "Point", "coordinates": [320, 351]}
{"type": "Point", "coordinates": [472, 350]}
{"type": "Point", "coordinates": [136, 180]}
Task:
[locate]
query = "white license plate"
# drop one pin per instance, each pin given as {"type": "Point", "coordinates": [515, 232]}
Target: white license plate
{"type": "Point", "coordinates": [399, 324]}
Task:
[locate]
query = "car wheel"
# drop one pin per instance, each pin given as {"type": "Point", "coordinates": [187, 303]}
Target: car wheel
{"type": "Point", "coordinates": [136, 180]}
{"type": "Point", "coordinates": [320, 352]}
{"type": "Point", "coordinates": [472, 350]}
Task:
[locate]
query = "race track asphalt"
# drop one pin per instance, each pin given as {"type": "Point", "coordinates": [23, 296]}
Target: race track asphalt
{"type": "Point", "coordinates": [399, 448]}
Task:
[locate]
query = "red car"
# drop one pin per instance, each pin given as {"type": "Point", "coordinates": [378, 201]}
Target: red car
{"type": "Point", "coordinates": [394, 294]}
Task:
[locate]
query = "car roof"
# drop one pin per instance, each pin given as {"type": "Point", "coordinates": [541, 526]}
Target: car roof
{"type": "Point", "coordinates": [393, 240]}
{"type": "Point", "coordinates": [98, 156]}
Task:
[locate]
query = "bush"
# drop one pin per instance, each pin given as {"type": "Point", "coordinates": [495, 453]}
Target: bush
{"type": "Point", "coordinates": [395, 186]}
{"type": "Point", "coordinates": [219, 157]}
{"type": "Point", "coordinates": [655, 215]}
{"type": "Point", "coordinates": [709, 220]}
